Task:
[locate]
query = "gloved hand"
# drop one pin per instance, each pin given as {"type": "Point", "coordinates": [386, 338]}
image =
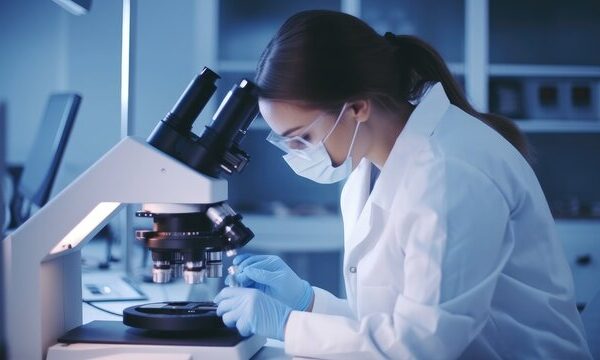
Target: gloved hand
{"type": "Point", "coordinates": [271, 275]}
{"type": "Point", "coordinates": [252, 312]}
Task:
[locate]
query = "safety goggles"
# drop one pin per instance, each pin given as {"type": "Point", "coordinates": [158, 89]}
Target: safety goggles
{"type": "Point", "coordinates": [294, 144]}
{"type": "Point", "coordinates": [298, 144]}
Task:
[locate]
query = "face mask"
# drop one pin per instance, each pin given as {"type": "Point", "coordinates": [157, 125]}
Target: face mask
{"type": "Point", "coordinates": [316, 164]}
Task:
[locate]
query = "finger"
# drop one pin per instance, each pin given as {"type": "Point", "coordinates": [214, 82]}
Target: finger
{"type": "Point", "coordinates": [238, 259]}
{"type": "Point", "coordinates": [226, 306]}
{"type": "Point", "coordinates": [230, 281]}
{"type": "Point", "coordinates": [231, 318]}
{"type": "Point", "coordinates": [252, 260]}
{"type": "Point", "coordinates": [245, 325]}
{"type": "Point", "coordinates": [225, 293]}
{"type": "Point", "coordinates": [243, 280]}
{"type": "Point", "coordinates": [267, 262]}
{"type": "Point", "coordinates": [260, 276]}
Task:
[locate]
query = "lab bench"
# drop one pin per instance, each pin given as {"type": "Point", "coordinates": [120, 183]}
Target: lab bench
{"type": "Point", "coordinates": [177, 291]}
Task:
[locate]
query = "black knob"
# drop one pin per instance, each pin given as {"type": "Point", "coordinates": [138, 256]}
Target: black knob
{"type": "Point", "coordinates": [583, 260]}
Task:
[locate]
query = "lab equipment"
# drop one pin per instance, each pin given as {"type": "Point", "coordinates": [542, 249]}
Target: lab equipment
{"type": "Point", "coordinates": [189, 240]}
{"type": "Point", "coordinates": [45, 156]}
{"type": "Point", "coordinates": [3, 223]}
{"type": "Point", "coordinates": [231, 279]}
{"type": "Point", "coordinates": [553, 98]}
{"type": "Point", "coordinates": [174, 175]}
{"type": "Point", "coordinates": [105, 286]}
{"type": "Point", "coordinates": [252, 312]}
{"type": "Point", "coordinates": [271, 275]}
{"type": "Point", "coordinates": [178, 317]}
{"type": "Point", "coordinates": [3, 203]}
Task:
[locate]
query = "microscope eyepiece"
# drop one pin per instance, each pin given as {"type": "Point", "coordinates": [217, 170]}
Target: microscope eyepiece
{"type": "Point", "coordinates": [192, 101]}
{"type": "Point", "coordinates": [220, 140]}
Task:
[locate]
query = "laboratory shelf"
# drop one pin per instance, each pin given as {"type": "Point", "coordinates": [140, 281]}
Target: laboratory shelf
{"type": "Point", "coordinates": [559, 126]}
{"type": "Point", "coordinates": [528, 70]}
{"type": "Point", "coordinates": [579, 222]}
{"type": "Point", "coordinates": [295, 233]}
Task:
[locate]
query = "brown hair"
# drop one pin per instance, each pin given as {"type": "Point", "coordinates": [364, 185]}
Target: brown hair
{"type": "Point", "coordinates": [324, 58]}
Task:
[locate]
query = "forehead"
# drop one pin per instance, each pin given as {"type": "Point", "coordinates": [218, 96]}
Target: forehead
{"type": "Point", "coordinates": [284, 115]}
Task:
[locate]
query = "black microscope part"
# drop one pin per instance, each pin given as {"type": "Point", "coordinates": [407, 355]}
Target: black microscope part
{"type": "Point", "coordinates": [192, 101]}
{"type": "Point", "coordinates": [217, 149]}
{"type": "Point", "coordinates": [174, 316]}
{"type": "Point", "coordinates": [193, 233]}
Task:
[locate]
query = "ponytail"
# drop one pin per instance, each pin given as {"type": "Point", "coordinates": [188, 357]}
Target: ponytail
{"type": "Point", "coordinates": [424, 65]}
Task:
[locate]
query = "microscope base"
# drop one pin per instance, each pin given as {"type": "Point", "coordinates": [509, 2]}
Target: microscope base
{"type": "Point", "coordinates": [114, 340]}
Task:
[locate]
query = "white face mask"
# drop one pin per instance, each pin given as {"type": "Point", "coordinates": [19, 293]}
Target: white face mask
{"type": "Point", "coordinates": [316, 163]}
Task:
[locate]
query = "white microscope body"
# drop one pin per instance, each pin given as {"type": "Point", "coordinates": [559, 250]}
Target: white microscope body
{"type": "Point", "coordinates": [42, 261]}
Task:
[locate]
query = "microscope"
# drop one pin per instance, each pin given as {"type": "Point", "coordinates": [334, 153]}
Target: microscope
{"type": "Point", "coordinates": [175, 175]}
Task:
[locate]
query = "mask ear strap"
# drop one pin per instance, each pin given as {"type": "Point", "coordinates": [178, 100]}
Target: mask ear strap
{"type": "Point", "coordinates": [336, 122]}
{"type": "Point", "coordinates": [353, 138]}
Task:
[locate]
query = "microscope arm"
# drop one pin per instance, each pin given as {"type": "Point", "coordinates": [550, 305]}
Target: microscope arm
{"type": "Point", "coordinates": [41, 262]}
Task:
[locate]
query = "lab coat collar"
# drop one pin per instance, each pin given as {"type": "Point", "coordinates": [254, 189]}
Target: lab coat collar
{"type": "Point", "coordinates": [361, 210]}
{"type": "Point", "coordinates": [420, 126]}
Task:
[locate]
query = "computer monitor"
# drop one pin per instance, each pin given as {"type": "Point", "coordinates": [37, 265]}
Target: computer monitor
{"type": "Point", "coordinates": [3, 201]}
{"type": "Point", "coordinates": [3, 219]}
{"type": "Point", "coordinates": [41, 167]}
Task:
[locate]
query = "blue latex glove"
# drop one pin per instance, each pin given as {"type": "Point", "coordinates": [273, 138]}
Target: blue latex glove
{"type": "Point", "coordinates": [252, 312]}
{"type": "Point", "coordinates": [271, 275]}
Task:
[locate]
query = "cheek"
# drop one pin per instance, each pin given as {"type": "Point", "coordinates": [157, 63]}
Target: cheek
{"type": "Point", "coordinates": [339, 142]}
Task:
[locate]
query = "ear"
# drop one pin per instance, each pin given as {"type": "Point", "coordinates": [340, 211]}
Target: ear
{"type": "Point", "coordinates": [361, 109]}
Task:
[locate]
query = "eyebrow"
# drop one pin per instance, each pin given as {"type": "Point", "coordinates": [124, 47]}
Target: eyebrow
{"type": "Point", "coordinates": [289, 131]}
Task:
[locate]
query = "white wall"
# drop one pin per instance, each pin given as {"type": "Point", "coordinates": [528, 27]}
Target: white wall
{"type": "Point", "coordinates": [30, 38]}
{"type": "Point", "coordinates": [93, 63]}
{"type": "Point", "coordinates": [168, 53]}
{"type": "Point", "coordinates": [44, 49]}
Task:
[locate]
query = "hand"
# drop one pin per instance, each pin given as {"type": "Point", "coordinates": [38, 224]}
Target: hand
{"type": "Point", "coordinates": [252, 312]}
{"type": "Point", "coordinates": [271, 275]}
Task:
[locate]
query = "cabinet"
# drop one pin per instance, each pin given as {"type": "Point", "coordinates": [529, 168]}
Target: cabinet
{"type": "Point", "coordinates": [581, 239]}
{"type": "Point", "coordinates": [544, 70]}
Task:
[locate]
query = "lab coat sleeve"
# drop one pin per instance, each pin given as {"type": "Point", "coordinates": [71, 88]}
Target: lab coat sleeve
{"type": "Point", "coordinates": [327, 303]}
{"type": "Point", "coordinates": [453, 228]}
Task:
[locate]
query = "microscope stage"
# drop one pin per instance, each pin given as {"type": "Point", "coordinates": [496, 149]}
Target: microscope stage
{"type": "Point", "coordinates": [113, 338]}
{"type": "Point", "coordinates": [174, 316]}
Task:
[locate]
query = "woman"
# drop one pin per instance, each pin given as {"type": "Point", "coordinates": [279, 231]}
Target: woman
{"type": "Point", "coordinates": [452, 253]}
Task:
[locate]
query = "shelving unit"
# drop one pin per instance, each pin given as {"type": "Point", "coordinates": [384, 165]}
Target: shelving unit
{"type": "Point", "coordinates": [544, 70]}
{"type": "Point", "coordinates": [558, 126]}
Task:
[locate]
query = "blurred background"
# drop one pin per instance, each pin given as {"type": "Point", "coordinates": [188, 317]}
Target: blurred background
{"type": "Point", "coordinates": [535, 62]}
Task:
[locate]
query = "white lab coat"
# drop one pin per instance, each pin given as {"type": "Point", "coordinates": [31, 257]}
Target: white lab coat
{"type": "Point", "coordinates": [453, 254]}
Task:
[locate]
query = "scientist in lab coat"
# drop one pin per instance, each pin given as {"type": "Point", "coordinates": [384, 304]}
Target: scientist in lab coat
{"type": "Point", "coordinates": [450, 253]}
